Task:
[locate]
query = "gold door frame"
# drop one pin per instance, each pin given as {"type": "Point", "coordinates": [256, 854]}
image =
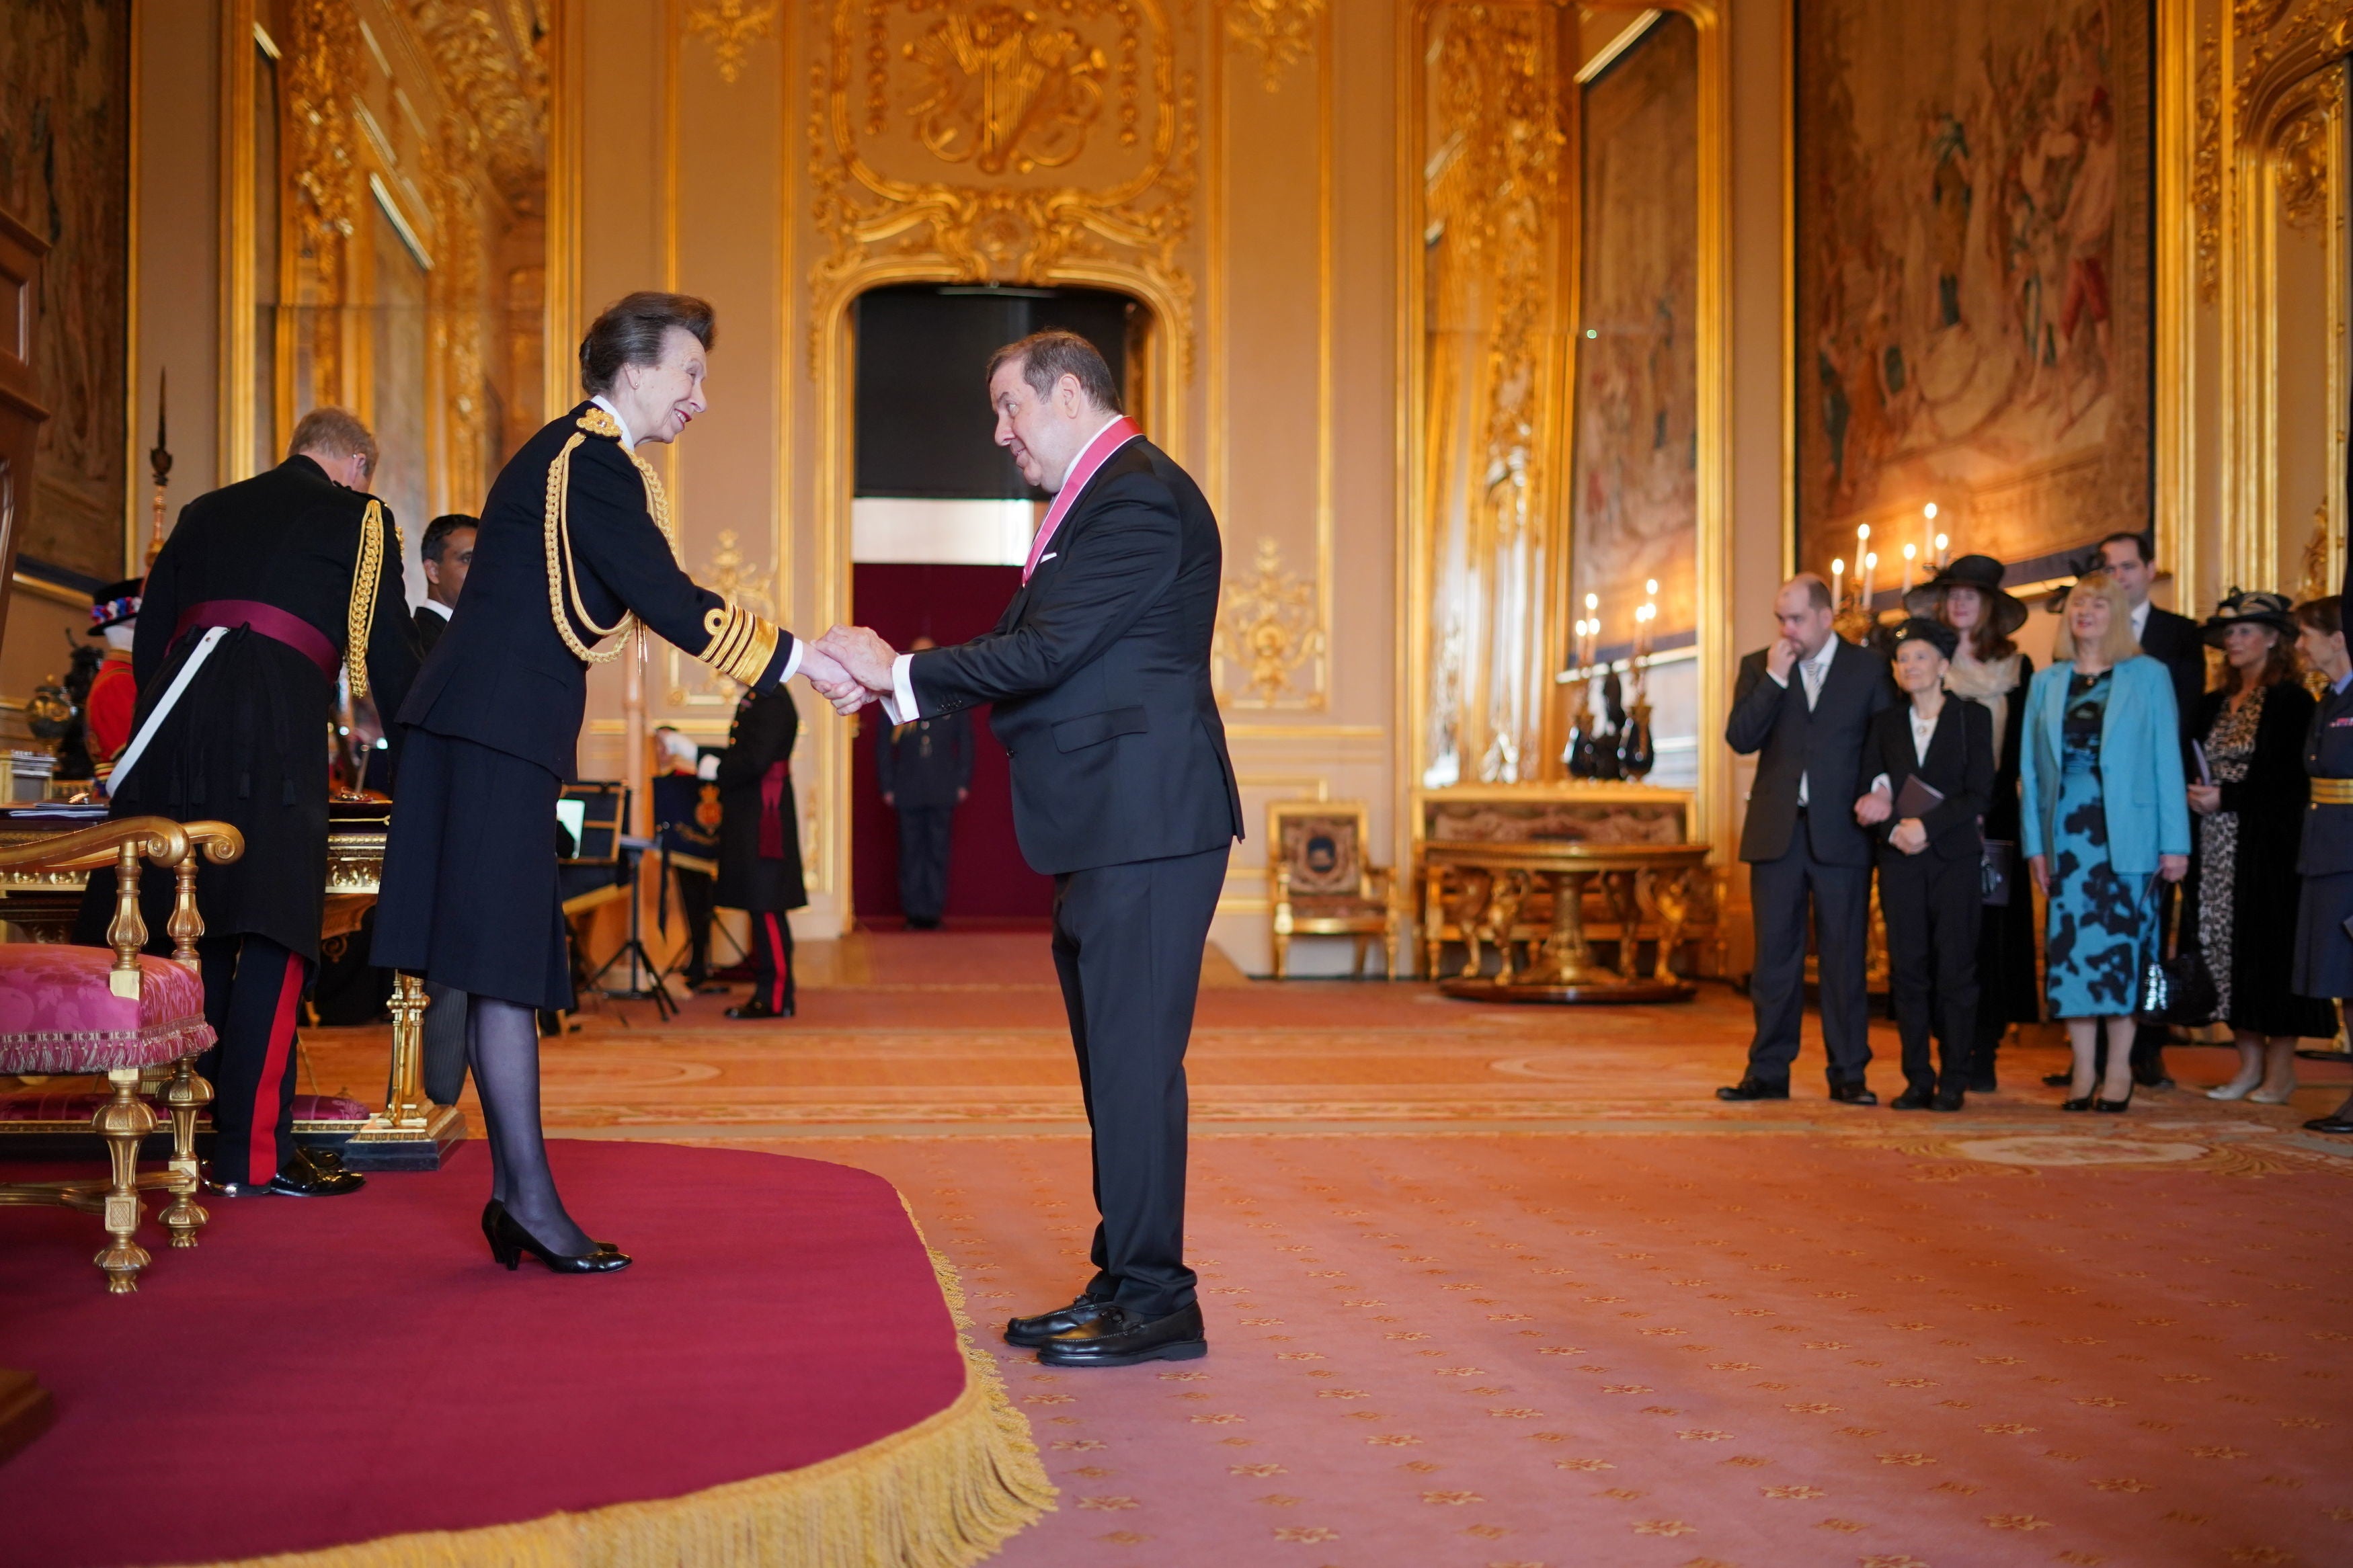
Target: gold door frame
{"type": "Point", "coordinates": [1415, 573]}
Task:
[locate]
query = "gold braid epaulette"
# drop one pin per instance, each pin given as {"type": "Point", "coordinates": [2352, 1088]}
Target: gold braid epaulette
{"type": "Point", "coordinates": [561, 577]}
{"type": "Point", "coordinates": [359, 618]}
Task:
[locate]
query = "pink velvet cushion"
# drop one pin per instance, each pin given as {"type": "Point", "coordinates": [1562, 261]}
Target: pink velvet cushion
{"type": "Point", "coordinates": [58, 1013]}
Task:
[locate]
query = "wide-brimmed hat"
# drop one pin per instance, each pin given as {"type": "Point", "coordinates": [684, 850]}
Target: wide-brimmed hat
{"type": "Point", "coordinates": [1927, 629]}
{"type": "Point", "coordinates": [1982, 572]}
{"type": "Point", "coordinates": [2239, 608]}
{"type": "Point", "coordinates": [113, 604]}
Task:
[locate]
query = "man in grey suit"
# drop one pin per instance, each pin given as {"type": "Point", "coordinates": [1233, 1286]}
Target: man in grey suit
{"type": "Point", "coordinates": [1805, 703]}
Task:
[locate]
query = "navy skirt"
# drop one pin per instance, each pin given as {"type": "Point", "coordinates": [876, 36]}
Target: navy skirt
{"type": "Point", "coordinates": [2324, 952]}
{"type": "Point", "coordinates": [469, 896]}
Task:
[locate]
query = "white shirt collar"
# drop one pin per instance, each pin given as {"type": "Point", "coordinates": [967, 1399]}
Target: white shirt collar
{"type": "Point", "coordinates": [2140, 617]}
{"type": "Point", "coordinates": [629, 441]}
{"type": "Point", "coordinates": [436, 606]}
{"type": "Point", "coordinates": [1082, 449]}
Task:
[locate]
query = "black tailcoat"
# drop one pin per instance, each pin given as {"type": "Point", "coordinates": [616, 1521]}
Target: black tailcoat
{"type": "Point", "coordinates": [766, 725]}
{"type": "Point", "coordinates": [247, 743]}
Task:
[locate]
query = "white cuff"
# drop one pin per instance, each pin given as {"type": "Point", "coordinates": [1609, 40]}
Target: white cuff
{"type": "Point", "coordinates": [793, 663]}
{"type": "Point", "coordinates": [1779, 680]}
{"type": "Point", "coordinates": [900, 706]}
{"type": "Point", "coordinates": [1878, 785]}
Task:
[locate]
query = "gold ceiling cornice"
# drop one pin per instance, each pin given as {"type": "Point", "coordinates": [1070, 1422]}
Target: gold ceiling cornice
{"type": "Point", "coordinates": [494, 67]}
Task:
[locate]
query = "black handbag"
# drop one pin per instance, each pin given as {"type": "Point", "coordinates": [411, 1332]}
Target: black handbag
{"type": "Point", "coordinates": [2179, 989]}
{"type": "Point", "coordinates": [1998, 873]}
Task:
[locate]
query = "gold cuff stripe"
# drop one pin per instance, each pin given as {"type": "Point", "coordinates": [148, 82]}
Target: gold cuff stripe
{"type": "Point", "coordinates": [740, 646]}
{"type": "Point", "coordinates": [2332, 791]}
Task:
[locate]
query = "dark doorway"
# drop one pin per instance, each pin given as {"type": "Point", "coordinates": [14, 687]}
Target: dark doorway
{"type": "Point", "coordinates": [923, 450]}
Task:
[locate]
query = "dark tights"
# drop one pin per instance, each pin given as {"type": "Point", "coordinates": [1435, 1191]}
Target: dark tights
{"type": "Point", "coordinates": [502, 1047]}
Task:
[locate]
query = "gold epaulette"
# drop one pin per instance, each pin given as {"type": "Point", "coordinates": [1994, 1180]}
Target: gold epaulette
{"type": "Point", "coordinates": [359, 616]}
{"type": "Point", "coordinates": [596, 422]}
{"type": "Point", "coordinates": [741, 643]}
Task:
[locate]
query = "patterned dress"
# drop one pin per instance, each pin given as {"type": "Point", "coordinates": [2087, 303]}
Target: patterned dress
{"type": "Point", "coordinates": [2229, 746]}
{"type": "Point", "coordinates": [2100, 921]}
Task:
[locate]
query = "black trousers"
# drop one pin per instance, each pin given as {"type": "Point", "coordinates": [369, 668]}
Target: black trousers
{"type": "Point", "coordinates": [695, 889]}
{"type": "Point", "coordinates": [1127, 946]}
{"type": "Point", "coordinates": [771, 957]}
{"type": "Point", "coordinates": [1934, 908]}
{"type": "Point", "coordinates": [923, 860]}
{"type": "Point", "coordinates": [253, 998]}
{"type": "Point", "coordinates": [1780, 892]}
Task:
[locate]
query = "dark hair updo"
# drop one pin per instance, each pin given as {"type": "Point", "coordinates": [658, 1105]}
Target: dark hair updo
{"type": "Point", "coordinates": [630, 332]}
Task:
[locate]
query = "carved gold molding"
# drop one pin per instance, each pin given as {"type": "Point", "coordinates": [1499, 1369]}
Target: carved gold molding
{"type": "Point", "coordinates": [731, 27]}
{"type": "Point", "coordinates": [1280, 32]}
{"type": "Point", "coordinates": [1269, 628]}
{"type": "Point", "coordinates": [322, 57]}
{"type": "Point", "coordinates": [497, 77]}
{"type": "Point", "coordinates": [1008, 90]}
{"type": "Point", "coordinates": [728, 572]}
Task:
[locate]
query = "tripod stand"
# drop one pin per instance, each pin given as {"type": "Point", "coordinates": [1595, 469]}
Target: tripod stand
{"type": "Point", "coordinates": [646, 977]}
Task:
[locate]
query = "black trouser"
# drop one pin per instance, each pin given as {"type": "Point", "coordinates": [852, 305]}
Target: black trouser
{"type": "Point", "coordinates": [1934, 908]}
{"type": "Point", "coordinates": [1779, 894]}
{"type": "Point", "coordinates": [923, 861]}
{"type": "Point", "coordinates": [1127, 946]}
{"type": "Point", "coordinates": [695, 889]}
{"type": "Point", "coordinates": [253, 996]}
{"type": "Point", "coordinates": [772, 958]}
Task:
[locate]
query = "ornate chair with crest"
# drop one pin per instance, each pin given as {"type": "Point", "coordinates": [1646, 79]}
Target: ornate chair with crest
{"type": "Point", "coordinates": [1319, 882]}
{"type": "Point", "coordinates": [128, 1015]}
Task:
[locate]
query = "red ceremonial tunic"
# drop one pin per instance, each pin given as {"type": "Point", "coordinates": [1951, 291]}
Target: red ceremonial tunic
{"type": "Point", "coordinates": [113, 698]}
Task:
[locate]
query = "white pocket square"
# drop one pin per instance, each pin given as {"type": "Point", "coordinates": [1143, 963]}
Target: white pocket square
{"type": "Point", "coordinates": [1048, 557]}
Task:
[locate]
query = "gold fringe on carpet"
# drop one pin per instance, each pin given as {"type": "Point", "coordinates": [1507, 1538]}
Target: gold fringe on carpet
{"type": "Point", "coordinates": [944, 1493]}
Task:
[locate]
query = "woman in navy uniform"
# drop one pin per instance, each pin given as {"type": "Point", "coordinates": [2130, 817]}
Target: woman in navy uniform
{"type": "Point", "coordinates": [574, 545]}
{"type": "Point", "coordinates": [264, 591]}
{"type": "Point", "coordinates": [760, 843]}
{"type": "Point", "coordinates": [2324, 948]}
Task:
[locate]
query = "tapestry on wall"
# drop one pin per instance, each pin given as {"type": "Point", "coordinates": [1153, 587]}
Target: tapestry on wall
{"type": "Point", "coordinates": [1973, 276]}
{"type": "Point", "coordinates": [1635, 513]}
{"type": "Point", "coordinates": [65, 72]}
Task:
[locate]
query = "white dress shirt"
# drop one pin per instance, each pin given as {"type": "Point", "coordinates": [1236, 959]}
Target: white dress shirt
{"type": "Point", "coordinates": [900, 706]}
{"type": "Point", "coordinates": [1922, 731]}
{"type": "Point", "coordinates": [630, 444]}
{"type": "Point", "coordinates": [1812, 673]}
{"type": "Point", "coordinates": [2140, 618]}
{"type": "Point", "coordinates": [436, 606]}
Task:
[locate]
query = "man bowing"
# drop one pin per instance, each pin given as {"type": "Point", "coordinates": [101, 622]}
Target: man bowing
{"type": "Point", "coordinates": [1099, 671]}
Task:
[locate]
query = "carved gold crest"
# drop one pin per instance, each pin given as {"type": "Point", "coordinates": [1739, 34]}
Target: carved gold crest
{"type": "Point", "coordinates": [1006, 89]}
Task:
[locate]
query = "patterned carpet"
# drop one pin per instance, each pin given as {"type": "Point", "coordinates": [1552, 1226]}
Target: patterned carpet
{"type": "Point", "coordinates": [1502, 1287]}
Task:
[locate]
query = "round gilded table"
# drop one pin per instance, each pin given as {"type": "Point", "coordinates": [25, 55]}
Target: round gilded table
{"type": "Point", "coordinates": [1563, 967]}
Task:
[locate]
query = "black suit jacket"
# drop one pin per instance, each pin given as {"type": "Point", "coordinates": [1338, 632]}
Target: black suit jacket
{"type": "Point", "coordinates": [1823, 745]}
{"type": "Point", "coordinates": [1100, 673]}
{"type": "Point", "coordinates": [926, 762]}
{"type": "Point", "coordinates": [501, 676]}
{"type": "Point", "coordinates": [429, 625]}
{"type": "Point", "coordinates": [2174, 641]}
{"type": "Point", "coordinates": [1960, 765]}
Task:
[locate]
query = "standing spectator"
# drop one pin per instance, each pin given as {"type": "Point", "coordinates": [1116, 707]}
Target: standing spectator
{"type": "Point", "coordinates": [1806, 853]}
{"type": "Point", "coordinates": [2324, 949]}
{"type": "Point", "coordinates": [2105, 815]}
{"type": "Point", "coordinates": [1930, 886]}
{"type": "Point", "coordinates": [113, 697]}
{"type": "Point", "coordinates": [686, 825]}
{"type": "Point", "coordinates": [1987, 669]}
{"type": "Point", "coordinates": [2241, 896]}
{"type": "Point", "coordinates": [447, 555]}
{"type": "Point", "coordinates": [2174, 642]}
{"type": "Point", "coordinates": [760, 843]}
{"type": "Point", "coordinates": [924, 769]}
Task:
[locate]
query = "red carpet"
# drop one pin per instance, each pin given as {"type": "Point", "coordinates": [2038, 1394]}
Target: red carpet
{"type": "Point", "coordinates": [331, 1372]}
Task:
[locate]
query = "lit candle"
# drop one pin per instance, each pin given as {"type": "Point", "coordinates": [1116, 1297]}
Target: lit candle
{"type": "Point", "coordinates": [1650, 613]}
{"type": "Point", "coordinates": [1870, 570]}
{"type": "Point", "coordinates": [1910, 553]}
{"type": "Point", "coordinates": [1838, 583]}
{"type": "Point", "coordinates": [1944, 552]}
{"type": "Point", "coordinates": [1592, 627]}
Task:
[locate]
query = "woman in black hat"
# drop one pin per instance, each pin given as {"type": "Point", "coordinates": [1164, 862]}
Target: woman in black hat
{"type": "Point", "coordinates": [2243, 887]}
{"type": "Point", "coordinates": [1988, 668]}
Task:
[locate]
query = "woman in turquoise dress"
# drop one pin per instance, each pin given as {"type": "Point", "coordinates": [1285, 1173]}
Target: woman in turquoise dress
{"type": "Point", "coordinates": [2106, 814]}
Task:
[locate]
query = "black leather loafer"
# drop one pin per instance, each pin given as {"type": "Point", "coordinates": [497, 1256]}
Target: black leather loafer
{"type": "Point", "coordinates": [304, 1178]}
{"type": "Point", "coordinates": [1754, 1088]}
{"type": "Point", "coordinates": [1912, 1099]}
{"type": "Point", "coordinates": [1117, 1337]}
{"type": "Point", "coordinates": [1983, 1083]}
{"type": "Point", "coordinates": [1854, 1094]}
{"type": "Point", "coordinates": [756, 1008]}
{"type": "Point", "coordinates": [2337, 1121]}
{"type": "Point", "coordinates": [213, 1189]}
{"type": "Point", "coordinates": [1947, 1100]}
{"type": "Point", "coordinates": [1031, 1332]}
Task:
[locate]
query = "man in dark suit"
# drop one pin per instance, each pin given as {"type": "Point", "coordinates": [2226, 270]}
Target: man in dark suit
{"type": "Point", "coordinates": [445, 553]}
{"type": "Point", "coordinates": [1099, 671]}
{"type": "Point", "coordinates": [265, 590]}
{"type": "Point", "coordinates": [2175, 642]}
{"type": "Point", "coordinates": [924, 773]}
{"type": "Point", "coordinates": [1931, 886]}
{"type": "Point", "coordinates": [1807, 703]}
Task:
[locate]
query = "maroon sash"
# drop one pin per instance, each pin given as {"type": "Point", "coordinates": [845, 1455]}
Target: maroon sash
{"type": "Point", "coordinates": [278, 626]}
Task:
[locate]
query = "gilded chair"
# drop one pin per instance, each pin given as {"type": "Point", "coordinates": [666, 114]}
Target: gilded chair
{"type": "Point", "coordinates": [1319, 882]}
{"type": "Point", "coordinates": [126, 1013]}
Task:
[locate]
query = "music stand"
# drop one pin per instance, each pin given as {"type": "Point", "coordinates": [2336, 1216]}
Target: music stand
{"type": "Point", "coordinates": [601, 811]}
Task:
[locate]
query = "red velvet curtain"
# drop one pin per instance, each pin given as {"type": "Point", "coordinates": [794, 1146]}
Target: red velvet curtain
{"type": "Point", "coordinates": [988, 880]}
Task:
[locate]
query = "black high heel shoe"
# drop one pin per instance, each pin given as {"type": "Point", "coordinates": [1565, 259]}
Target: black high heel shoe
{"type": "Point", "coordinates": [2082, 1102]}
{"type": "Point", "coordinates": [2115, 1106]}
{"type": "Point", "coordinates": [509, 1241]}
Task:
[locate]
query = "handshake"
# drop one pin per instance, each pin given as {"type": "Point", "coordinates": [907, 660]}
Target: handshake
{"type": "Point", "coordinates": [849, 667]}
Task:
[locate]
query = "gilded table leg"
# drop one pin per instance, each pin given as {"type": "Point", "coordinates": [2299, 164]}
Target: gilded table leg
{"type": "Point", "coordinates": [1571, 953]}
{"type": "Point", "coordinates": [1671, 895]}
{"type": "Point", "coordinates": [186, 1094]}
{"type": "Point", "coordinates": [403, 1095]}
{"type": "Point", "coordinates": [123, 1121]}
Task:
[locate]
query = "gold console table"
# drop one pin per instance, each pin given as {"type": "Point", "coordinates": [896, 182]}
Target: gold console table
{"type": "Point", "coordinates": [1496, 880]}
